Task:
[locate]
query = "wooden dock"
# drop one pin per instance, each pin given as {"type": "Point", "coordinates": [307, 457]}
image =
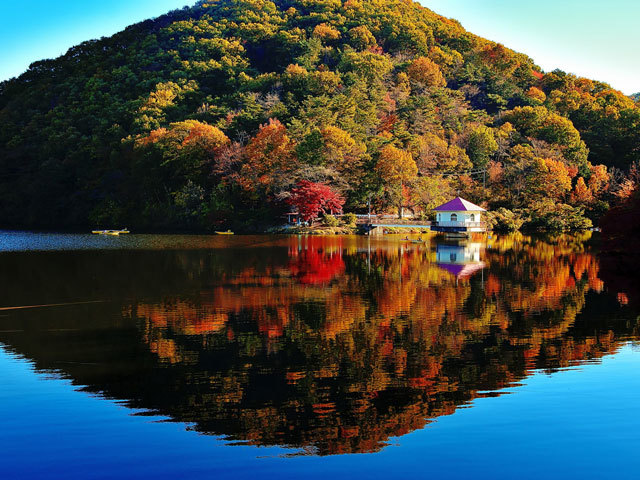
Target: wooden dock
{"type": "Point", "coordinates": [377, 226]}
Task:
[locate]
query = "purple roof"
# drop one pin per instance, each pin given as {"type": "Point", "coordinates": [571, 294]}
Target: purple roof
{"type": "Point", "coordinates": [462, 271]}
{"type": "Point", "coordinates": [459, 205]}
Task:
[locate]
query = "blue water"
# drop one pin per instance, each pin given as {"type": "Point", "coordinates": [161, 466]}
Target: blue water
{"type": "Point", "coordinates": [315, 357]}
{"type": "Point", "coordinates": [577, 423]}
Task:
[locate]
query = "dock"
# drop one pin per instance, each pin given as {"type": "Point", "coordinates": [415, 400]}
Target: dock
{"type": "Point", "coordinates": [374, 225]}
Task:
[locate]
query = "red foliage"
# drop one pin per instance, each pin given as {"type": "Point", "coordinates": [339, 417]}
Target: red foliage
{"type": "Point", "coordinates": [311, 199]}
{"type": "Point", "coordinates": [315, 267]}
{"type": "Point", "coordinates": [538, 75]}
{"type": "Point", "coordinates": [387, 122]}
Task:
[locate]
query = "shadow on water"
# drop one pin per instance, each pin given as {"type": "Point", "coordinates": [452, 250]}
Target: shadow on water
{"type": "Point", "coordinates": [331, 344]}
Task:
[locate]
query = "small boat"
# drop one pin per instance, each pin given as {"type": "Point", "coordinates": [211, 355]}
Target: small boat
{"type": "Point", "coordinates": [109, 232]}
{"type": "Point", "coordinates": [228, 232]}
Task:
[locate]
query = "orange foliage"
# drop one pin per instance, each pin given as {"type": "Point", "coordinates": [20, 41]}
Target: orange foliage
{"type": "Point", "coordinates": [581, 194]}
{"type": "Point", "coordinates": [599, 180]}
{"type": "Point", "coordinates": [426, 72]}
{"type": "Point", "coordinates": [269, 155]}
{"type": "Point", "coordinates": [556, 181]}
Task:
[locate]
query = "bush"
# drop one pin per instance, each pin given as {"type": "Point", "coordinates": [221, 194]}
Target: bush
{"type": "Point", "coordinates": [330, 221]}
{"type": "Point", "coordinates": [557, 217]}
{"type": "Point", "coordinates": [504, 220]}
{"type": "Point", "coordinates": [349, 219]}
{"type": "Point", "coordinates": [428, 216]}
{"type": "Point", "coordinates": [597, 210]}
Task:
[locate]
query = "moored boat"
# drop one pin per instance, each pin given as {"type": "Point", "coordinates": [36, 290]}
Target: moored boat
{"type": "Point", "coordinates": [110, 232]}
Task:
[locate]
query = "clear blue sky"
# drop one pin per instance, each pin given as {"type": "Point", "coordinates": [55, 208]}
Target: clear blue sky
{"type": "Point", "coordinates": [594, 38]}
{"type": "Point", "coordinates": [31, 30]}
{"type": "Point", "coordinates": [598, 39]}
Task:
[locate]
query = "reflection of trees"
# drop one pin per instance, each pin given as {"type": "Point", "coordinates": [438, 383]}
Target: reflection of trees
{"type": "Point", "coordinates": [356, 357]}
{"type": "Point", "coordinates": [326, 343]}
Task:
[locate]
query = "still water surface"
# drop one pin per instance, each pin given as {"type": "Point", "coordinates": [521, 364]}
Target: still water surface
{"type": "Point", "coordinates": [289, 357]}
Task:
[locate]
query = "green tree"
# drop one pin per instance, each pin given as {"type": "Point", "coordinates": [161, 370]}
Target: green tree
{"type": "Point", "coordinates": [482, 145]}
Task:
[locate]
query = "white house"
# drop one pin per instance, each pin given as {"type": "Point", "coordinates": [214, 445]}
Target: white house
{"type": "Point", "coordinates": [459, 215]}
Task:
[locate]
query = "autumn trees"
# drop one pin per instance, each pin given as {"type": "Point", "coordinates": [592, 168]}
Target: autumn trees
{"type": "Point", "coordinates": [214, 113]}
{"type": "Point", "coordinates": [311, 199]}
{"type": "Point", "coordinates": [530, 164]}
{"type": "Point", "coordinates": [397, 168]}
{"type": "Point", "coordinates": [482, 145]}
{"type": "Point", "coordinates": [269, 156]}
{"type": "Point", "coordinates": [425, 72]}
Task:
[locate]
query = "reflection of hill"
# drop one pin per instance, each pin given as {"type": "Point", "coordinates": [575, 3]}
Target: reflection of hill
{"type": "Point", "coordinates": [328, 345]}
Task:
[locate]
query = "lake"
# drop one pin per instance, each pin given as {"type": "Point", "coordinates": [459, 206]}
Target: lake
{"type": "Point", "coordinates": [171, 356]}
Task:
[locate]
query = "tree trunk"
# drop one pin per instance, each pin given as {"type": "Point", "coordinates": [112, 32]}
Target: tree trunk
{"type": "Point", "coordinates": [400, 207]}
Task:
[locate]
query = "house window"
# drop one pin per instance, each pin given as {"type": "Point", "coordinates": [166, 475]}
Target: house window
{"type": "Point", "coordinates": [473, 217]}
{"type": "Point", "coordinates": [453, 257]}
{"type": "Point", "coordinates": [454, 217]}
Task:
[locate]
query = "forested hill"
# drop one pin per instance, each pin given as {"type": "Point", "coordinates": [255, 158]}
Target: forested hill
{"type": "Point", "coordinates": [212, 114]}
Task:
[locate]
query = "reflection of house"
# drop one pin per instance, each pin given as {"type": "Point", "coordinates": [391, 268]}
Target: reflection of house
{"type": "Point", "coordinates": [461, 260]}
{"type": "Point", "coordinates": [459, 216]}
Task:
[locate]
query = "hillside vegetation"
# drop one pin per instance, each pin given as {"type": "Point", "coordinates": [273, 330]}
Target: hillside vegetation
{"type": "Point", "coordinates": [211, 115]}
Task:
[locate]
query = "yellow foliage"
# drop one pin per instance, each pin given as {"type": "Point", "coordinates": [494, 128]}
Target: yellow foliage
{"type": "Point", "coordinates": [361, 37]}
{"type": "Point", "coordinates": [396, 165]}
{"type": "Point", "coordinates": [536, 94]}
{"type": "Point", "coordinates": [341, 151]}
{"type": "Point", "coordinates": [326, 32]}
{"type": "Point", "coordinates": [424, 71]}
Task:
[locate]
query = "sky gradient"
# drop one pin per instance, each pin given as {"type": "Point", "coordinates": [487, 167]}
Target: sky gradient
{"type": "Point", "coordinates": [38, 29]}
{"type": "Point", "coordinates": [590, 38]}
{"type": "Point", "coordinates": [596, 39]}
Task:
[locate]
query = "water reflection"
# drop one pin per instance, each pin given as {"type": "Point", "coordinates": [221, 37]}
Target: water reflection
{"type": "Point", "coordinates": [332, 345]}
{"type": "Point", "coordinates": [461, 259]}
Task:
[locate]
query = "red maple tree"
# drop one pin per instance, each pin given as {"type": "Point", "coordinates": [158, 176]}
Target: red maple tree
{"type": "Point", "coordinates": [311, 199]}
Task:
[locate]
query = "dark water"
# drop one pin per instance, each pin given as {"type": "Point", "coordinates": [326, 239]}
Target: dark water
{"type": "Point", "coordinates": [289, 357]}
